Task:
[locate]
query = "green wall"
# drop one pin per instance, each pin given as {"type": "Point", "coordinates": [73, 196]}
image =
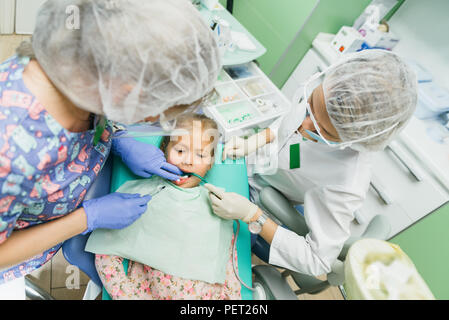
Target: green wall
{"type": "Point", "coordinates": [276, 24]}
{"type": "Point", "coordinates": [329, 17]}
{"type": "Point", "coordinates": [273, 23]}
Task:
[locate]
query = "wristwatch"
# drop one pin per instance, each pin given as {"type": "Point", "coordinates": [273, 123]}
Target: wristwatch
{"type": "Point", "coordinates": [255, 227]}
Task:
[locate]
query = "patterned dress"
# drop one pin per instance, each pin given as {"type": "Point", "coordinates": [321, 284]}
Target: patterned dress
{"type": "Point", "coordinates": [142, 282]}
{"type": "Point", "coordinates": [45, 170]}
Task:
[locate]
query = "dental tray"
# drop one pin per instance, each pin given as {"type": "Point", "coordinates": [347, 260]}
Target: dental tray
{"type": "Point", "coordinates": [243, 99]}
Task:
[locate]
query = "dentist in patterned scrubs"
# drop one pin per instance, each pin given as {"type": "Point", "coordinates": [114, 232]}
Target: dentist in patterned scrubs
{"type": "Point", "coordinates": [127, 61]}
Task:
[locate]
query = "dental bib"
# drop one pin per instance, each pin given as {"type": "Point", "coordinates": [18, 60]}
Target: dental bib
{"type": "Point", "coordinates": [178, 234]}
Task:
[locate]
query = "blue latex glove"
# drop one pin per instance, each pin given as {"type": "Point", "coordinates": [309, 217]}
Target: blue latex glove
{"type": "Point", "coordinates": [114, 211]}
{"type": "Point", "coordinates": [144, 159]}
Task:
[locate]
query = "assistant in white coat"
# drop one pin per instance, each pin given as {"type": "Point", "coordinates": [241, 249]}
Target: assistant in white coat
{"type": "Point", "coordinates": [358, 107]}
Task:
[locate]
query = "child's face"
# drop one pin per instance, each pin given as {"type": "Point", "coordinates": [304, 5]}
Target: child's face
{"type": "Point", "coordinates": [191, 153]}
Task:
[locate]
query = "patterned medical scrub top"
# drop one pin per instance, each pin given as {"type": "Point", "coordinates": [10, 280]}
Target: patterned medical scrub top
{"type": "Point", "coordinates": [45, 170]}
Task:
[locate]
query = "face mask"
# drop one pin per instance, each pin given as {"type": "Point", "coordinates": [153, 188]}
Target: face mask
{"type": "Point", "coordinates": [303, 114]}
{"type": "Point", "coordinates": [318, 138]}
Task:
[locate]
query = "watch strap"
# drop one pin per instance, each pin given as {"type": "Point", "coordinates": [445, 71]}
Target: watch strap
{"type": "Point", "coordinates": [262, 218]}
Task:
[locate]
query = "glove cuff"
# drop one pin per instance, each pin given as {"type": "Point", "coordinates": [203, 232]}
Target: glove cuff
{"type": "Point", "coordinates": [89, 218]}
{"type": "Point", "coordinates": [251, 213]}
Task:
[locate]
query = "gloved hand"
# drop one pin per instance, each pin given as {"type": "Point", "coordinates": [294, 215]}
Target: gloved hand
{"type": "Point", "coordinates": [238, 147]}
{"type": "Point", "coordinates": [230, 205]}
{"type": "Point", "coordinates": [114, 211]}
{"type": "Point", "coordinates": [144, 159]}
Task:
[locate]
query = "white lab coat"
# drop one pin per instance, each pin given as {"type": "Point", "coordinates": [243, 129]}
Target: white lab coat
{"type": "Point", "coordinates": [332, 184]}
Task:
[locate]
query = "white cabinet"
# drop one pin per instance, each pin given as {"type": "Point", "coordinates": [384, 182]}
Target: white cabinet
{"type": "Point", "coordinates": [26, 11]}
{"type": "Point", "coordinates": [404, 188]}
{"type": "Point", "coordinates": [310, 64]}
{"type": "Point", "coordinates": [409, 197]}
{"type": "Point", "coordinates": [7, 12]}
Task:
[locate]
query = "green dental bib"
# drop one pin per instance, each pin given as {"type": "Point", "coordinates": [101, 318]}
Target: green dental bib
{"type": "Point", "coordinates": [178, 234]}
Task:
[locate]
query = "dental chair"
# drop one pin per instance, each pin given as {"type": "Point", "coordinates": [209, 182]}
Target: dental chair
{"type": "Point", "coordinates": [230, 175]}
{"type": "Point", "coordinates": [273, 281]}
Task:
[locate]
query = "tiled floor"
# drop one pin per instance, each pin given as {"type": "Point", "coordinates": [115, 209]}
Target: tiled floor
{"type": "Point", "coordinates": [60, 280]}
{"type": "Point", "coordinates": [9, 43]}
{"type": "Point", "coordinates": [57, 277]}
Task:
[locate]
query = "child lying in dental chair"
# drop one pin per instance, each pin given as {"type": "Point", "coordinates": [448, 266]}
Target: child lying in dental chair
{"type": "Point", "coordinates": [178, 249]}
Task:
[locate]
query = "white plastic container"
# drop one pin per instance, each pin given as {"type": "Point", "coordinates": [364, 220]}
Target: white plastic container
{"type": "Point", "coordinates": [433, 100]}
{"type": "Point", "coordinates": [379, 270]}
{"type": "Point", "coordinates": [347, 40]}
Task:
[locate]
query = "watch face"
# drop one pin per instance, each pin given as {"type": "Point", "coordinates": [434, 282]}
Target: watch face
{"type": "Point", "coordinates": [255, 227]}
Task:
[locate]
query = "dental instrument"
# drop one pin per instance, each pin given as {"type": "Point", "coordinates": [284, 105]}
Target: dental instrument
{"type": "Point", "coordinates": [159, 189]}
{"type": "Point", "coordinates": [197, 176]}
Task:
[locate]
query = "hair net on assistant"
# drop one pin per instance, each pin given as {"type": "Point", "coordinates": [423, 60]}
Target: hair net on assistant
{"type": "Point", "coordinates": [367, 93]}
{"type": "Point", "coordinates": [127, 59]}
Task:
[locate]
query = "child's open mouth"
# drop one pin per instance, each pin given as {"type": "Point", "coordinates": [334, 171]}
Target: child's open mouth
{"type": "Point", "coordinates": [182, 180]}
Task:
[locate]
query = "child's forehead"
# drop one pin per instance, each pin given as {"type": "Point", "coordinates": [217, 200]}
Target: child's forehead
{"type": "Point", "coordinates": [189, 139]}
{"type": "Point", "coordinates": [182, 138]}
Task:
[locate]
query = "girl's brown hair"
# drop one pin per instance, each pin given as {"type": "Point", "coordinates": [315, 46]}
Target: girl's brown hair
{"type": "Point", "coordinates": [186, 121]}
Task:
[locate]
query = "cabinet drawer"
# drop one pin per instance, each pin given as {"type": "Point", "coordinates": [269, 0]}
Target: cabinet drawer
{"type": "Point", "coordinates": [410, 197]}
